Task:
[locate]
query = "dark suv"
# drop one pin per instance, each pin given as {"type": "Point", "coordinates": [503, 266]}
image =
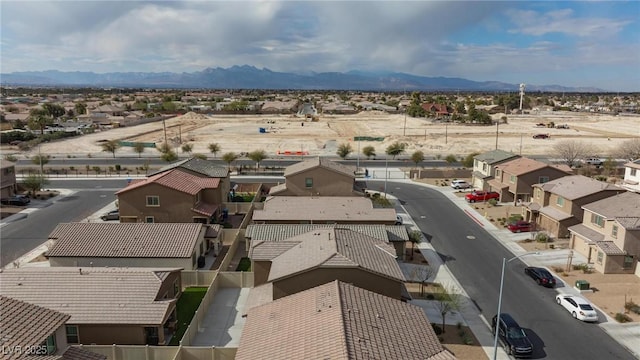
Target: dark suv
{"type": "Point", "coordinates": [512, 336]}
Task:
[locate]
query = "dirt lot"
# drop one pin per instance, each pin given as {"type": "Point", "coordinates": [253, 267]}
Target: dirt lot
{"type": "Point", "coordinates": [287, 133]}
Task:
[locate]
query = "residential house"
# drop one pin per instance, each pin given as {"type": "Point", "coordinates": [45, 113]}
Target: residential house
{"type": "Point", "coordinates": [609, 235]}
{"type": "Point", "coordinates": [307, 109]}
{"type": "Point", "coordinates": [322, 255]}
{"type": "Point", "coordinates": [396, 235]}
{"type": "Point", "coordinates": [484, 166]}
{"type": "Point", "coordinates": [8, 184]}
{"type": "Point", "coordinates": [514, 179]}
{"type": "Point", "coordinates": [338, 320]}
{"type": "Point", "coordinates": [278, 107]}
{"type": "Point", "coordinates": [33, 332]}
{"type": "Point", "coordinates": [322, 210]}
{"type": "Point", "coordinates": [557, 204]}
{"type": "Point", "coordinates": [191, 190]}
{"type": "Point", "coordinates": [436, 109]}
{"type": "Point", "coordinates": [319, 177]}
{"type": "Point", "coordinates": [107, 305]}
{"type": "Point", "coordinates": [109, 110]}
{"type": "Point", "coordinates": [182, 245]}
{"type": "Point", "coordinates": [632, 176]}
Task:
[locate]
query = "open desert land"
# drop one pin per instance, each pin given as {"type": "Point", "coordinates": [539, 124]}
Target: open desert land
{"type": "Point", "coordinates": [240, 133]}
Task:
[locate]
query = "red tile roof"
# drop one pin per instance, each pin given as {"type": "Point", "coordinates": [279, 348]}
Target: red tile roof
{"type": "Point", "coordinates": [177, 179]}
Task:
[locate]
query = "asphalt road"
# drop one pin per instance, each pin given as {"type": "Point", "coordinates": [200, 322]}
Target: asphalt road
{"type": "Point", "coordinates": [21, 236]}
{"type": "Point", "coordinates": [475, 259]}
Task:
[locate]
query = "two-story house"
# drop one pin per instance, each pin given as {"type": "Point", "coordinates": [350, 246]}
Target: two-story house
{"type": "Point", "coordinates": [106, 305]}
{"type": "Point", "coordinates": [609, 235]}
{"type": "Point", "coordinates": [484, 166]}
{"type": "Point", "coordinates": [7, 179]}
{"type": "Point", "coordinates": [631, 180]}
{"type": "Point", "coordinates": [557, 204]}
{"type": "Point", "coordinates": [514, 179]}
{"type": "Point", "coordinates": [191, 190]}
{"type": "Point", "coordinates": [318, 177]}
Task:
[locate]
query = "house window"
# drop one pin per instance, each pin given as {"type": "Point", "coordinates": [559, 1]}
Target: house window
{"type": "Point", "coordinates": [560, 201]}
{"type": "Point", "coordinates": [628, 262]}
{"type": "Point", "coordinates": [308, 182]}
{"type": "Point", "coordinates": [72, 334]}
{"type": "Point", "coordinates": [538, 193]}
{"type": "Point", "coordinates": [614, 231]}
{"type": "Point", "coordinates": [600, 257]}
{"type": "Point", "coordinates": [153, 200]}
{"type": "Point", "coordinates": [497, 173]}
{"type": "Point", "coordinates": [149, 219]}
{"type": "Point", "coordinates": [50, 343]}
{"type": "Point", "coordinates": [597, 220]}
{"type": "Point", "coordinates": [484, 167]}
{"type": "Point", "coordinates": [633, 172]}
{"type": "Point", "coordinates": [512, 179]}
{"type": "Point", "coordinates": [543, 179]}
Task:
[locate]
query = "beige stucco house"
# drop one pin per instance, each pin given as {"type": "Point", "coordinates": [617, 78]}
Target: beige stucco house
{"type": "Point", "coordinates": [338, 320]}
{"type": "Point", "coordinates": [106, 305]}
{"type": "Point", "coordinates": [323, 255]}
{"type": "Point", "coordinates": [609, 235]}
{"type": "Point", "coordinates": [484, 167]}
{"type": "Point", "coordinates": [181, 245]}
{"type": "Point", "coordinates": [631, 180]}
{"type": "Point", "coordinates": [319, 177]}
{"type": "Point", "coordinates": [191, 190]}
{"type": "Point", "coordinates": [514, 179]}
{"type": "Point", "coordinates": [557, 204]}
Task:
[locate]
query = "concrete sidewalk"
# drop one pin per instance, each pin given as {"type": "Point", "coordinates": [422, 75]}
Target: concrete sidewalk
{"type": "Point", "coordinates": [628, 335]}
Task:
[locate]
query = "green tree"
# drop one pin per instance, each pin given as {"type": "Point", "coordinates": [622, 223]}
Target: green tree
{"type": "Point", "coordinates": [450, 159]}
{"type": "Point", "coordinates": [139, 148]}
{"type": "Point", "coordinates": [164, 148]}
{"type": "Point", "coordinates": [35, 182]}
{"type": "Point", "coordinates": [415, 237]}
{"type": "Point", "coordinates": [258, 156]}
{"type": "Point", "coordinates": [369, 151]}
{"type": "Point", "coordinates": [344, 150]}
{"type": "Point", "coordinates": [417, 157]}
{"type": "Point", "coordinates": [187, 148]}
{"type": "Point", "coordinates": [169, 156]}
{"type": "Point", "coordinates": [229, 158]}
{"type": "Point", "coordinates": [39, 119]}
{"type": "Point", "coordinates": [468, 161]}
{"type": "Point", "coordinates": [396, 149]}
{"type": "Point", "coordinates": [111, 146]}
{"type": "Point", "coordinates": [609, 166]}
{"type": "Point", "coordinates": [448, 299]}
{"type": "Point", "coordinates": [214, 148]}
{"type": "Point", "coordinates": [80, 108]}
{"type": "Point", "coordinates": [200, 156]}
{"type": "Point", "coordinates": [53, 110]}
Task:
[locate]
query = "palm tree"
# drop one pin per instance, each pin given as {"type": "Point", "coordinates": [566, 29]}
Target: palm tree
{"type": "Point", "coordinates": [229, 158]}
{"type": "Point", "coordinates": [187, 148]}
{"type": "Point", "coordinates": [415, 237]}
{"type": "Point", "coordinates": [369, 151]}
{"type": "Point", "coordinates": [396, 149]}
{"type": "Point", "coordinates": [257, 156]}
{"type": "Point", "coordinates": [214, 148]}
{"type": "Point", "coordinates": [111, 146]}
{"type": "Point", "coordinates": [417, 157]}
{"type": "Point", "coordinates": [344, 150]}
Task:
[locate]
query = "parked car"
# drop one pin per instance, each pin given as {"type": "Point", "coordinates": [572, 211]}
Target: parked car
{"type": "Point", "coordinates": [520, 226]}
{"type": "Point", "coordinates": [482, 196]}
{"type": "Point", "coordinates": [111, 215]}
{"type": "Point", "coordinates": [541, 275]}
{"type": "Point", "coordinates": [512, 336]}
{"type": "Point", "coordinates": [593, 161]}
{"type": "Point", "coordinates": [460, 184]}
{"type": "Point", "coordinates": [19, 200]}
{"type": "Point", "coordinates": [578, 307]}
{"type": "Point", "coordinates": [541, 136]}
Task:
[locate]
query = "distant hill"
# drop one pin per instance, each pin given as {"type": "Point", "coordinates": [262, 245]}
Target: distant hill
{"type": "Point", "coordinates": [250, 77]}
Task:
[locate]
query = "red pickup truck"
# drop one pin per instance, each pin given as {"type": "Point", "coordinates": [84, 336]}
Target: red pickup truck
{"type": "Point", "coordinates": [482, 196]}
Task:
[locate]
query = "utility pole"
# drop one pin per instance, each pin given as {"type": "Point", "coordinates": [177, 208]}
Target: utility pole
{"type": "Point", "coordinates": [404, 131]}
{"type": "Point", "coordinates": [497, 128]}
{"type": "Point", "coordinates": [164, 126]}
{"type": "Point", "coordinates": [445, 133]}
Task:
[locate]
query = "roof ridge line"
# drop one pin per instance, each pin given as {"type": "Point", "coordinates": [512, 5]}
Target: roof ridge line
{"type": "Point", "coordinates": [343, 322]}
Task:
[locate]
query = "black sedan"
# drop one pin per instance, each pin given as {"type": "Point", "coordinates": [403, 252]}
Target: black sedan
{"type": "Point", "coordinates": [541, 275]}
{"type": "Point", "coordinates": [19, 200]}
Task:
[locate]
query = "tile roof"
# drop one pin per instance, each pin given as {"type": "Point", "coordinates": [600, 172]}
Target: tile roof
{"type": "Point", "coordinates": [633, 164]}
{"type": "Point", "coordinates": [125, 240]}
{"type": "Point", "coordinates": [320, 162]}
{"type": "Point", "coordinates": [333, 208]}
{"type": "Point", "coordinates": [521, 166]}
{"type": "Point", "coordinates": [205, 208]}
{"type": "Point", "coordinates": [76, 353]}
{"type": "Point", "coordinates": [339, 321]}
{"type": "Point", "coordinates": [24, 324]}
{"type": "Point", "coordinates": [92, 295]}
{"type": "Point", "coordinates": [495, 156]}
{"type": "Point", "coordinates": [610, 248]}
{"type": "Point", "coordinates": [279, 232]}
{"type": "Point", "coordinates": [629, 223]}
{"type": "Point", "coordinates": [626, 204]}
{"type": "Point", "coordinates": [586, 233]}
{"type": "Point", "coordinates": [555, 214]}
{"type": "Point", "coordinates": [178, 180]}
{"type": "Point", "coordinates": [204, 167]}
{"type": "Point", "coordinates": [330, 248]}
{"type": "Point", "coordinates": [577, 186]}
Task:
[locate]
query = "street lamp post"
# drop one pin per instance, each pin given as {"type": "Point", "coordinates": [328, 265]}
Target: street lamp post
{"type": "Point", "coordinates": [386, 174]}
{"type": "Point", "coordinates": [504, 263]}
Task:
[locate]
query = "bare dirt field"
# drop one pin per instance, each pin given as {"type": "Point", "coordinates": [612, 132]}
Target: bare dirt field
{"type": "Point", "coordinates": [289, 133]}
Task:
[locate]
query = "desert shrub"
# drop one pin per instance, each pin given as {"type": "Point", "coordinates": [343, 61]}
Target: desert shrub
{"type": "Point", "coordinates": [493, 202]}
{"type": "Point", "coordinates": [542, 238]}
{"type": "Point", "coordinates": [11, 158]}
{"type": "Point", "coordinates": [557, 269]}
{"type": "Point", "coordinates": [584, 267]}
{"type": "Point", "coordinates": [633, 307]}
{"type": "Point", "coordinates": [118, 167]}
{"type": "Point", "coordinates": [622, 318]}
{"type": "Point", "coordinates": [514, 218]}
{"type": "Point", "coordinates": [436, 328]}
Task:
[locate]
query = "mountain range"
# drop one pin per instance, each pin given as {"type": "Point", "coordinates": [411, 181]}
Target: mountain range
{"type": "Point", "coordinates": [250, 77]}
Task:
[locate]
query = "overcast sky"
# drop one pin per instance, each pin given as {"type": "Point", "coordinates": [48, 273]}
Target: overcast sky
{"type": "Point", "coordinates": [574, 43]}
